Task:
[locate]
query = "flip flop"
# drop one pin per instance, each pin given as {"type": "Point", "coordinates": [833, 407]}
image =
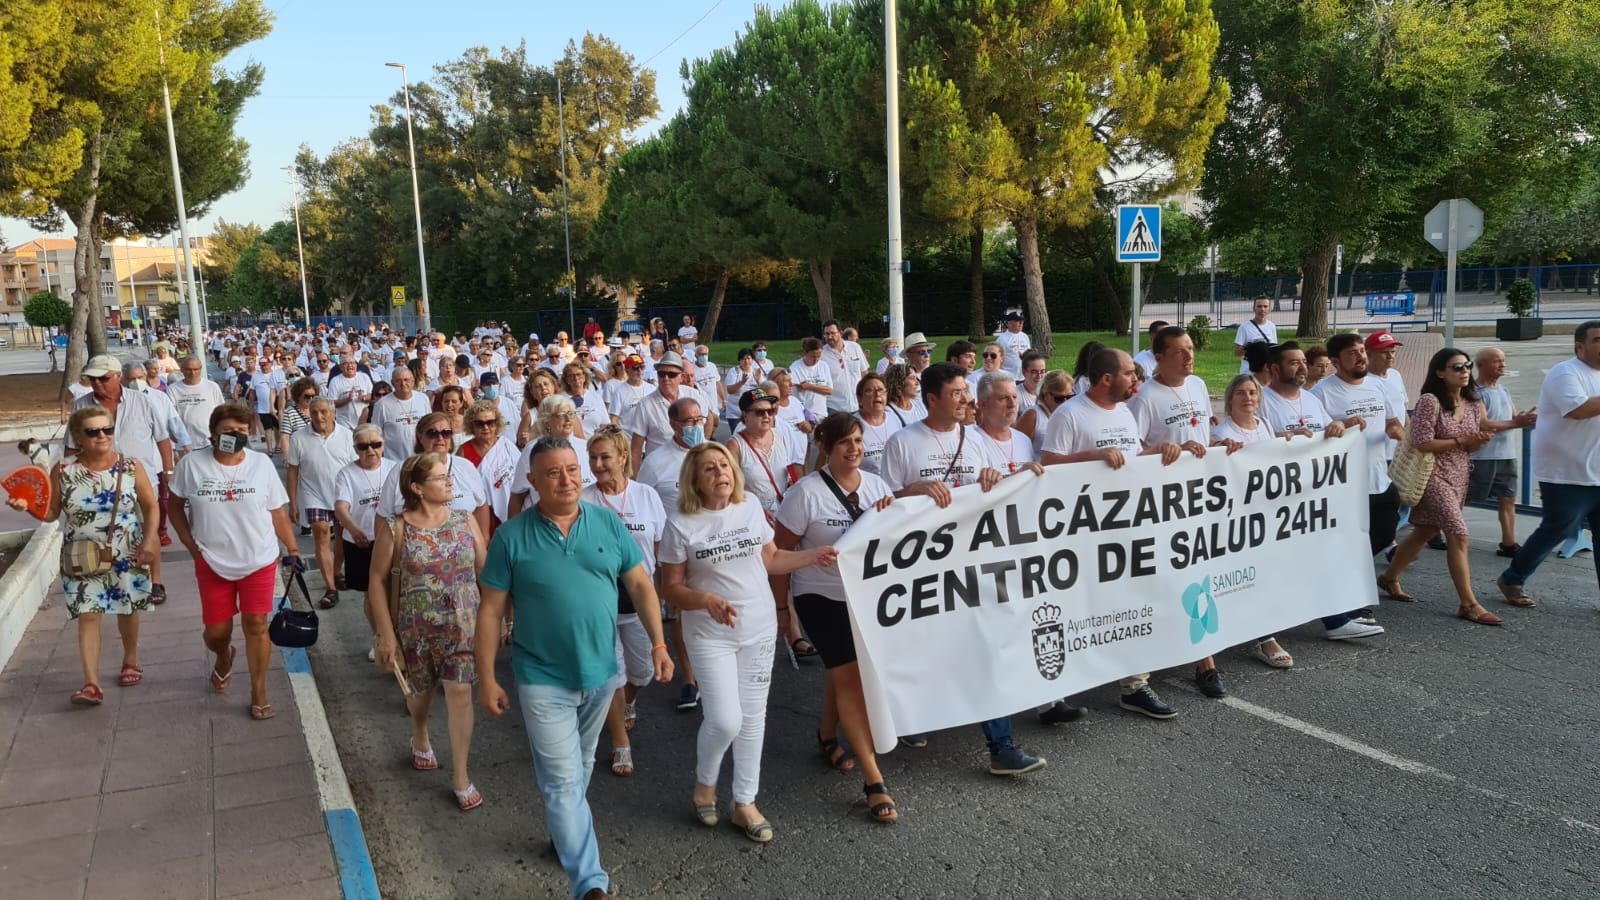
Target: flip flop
{"type": "Point", "coordinates": [423, 760]}
{"type": "Point", "coordinates": [130, 676]}
{"type": "Point", "coordinates": [468, 799]}
{"type": "Point", "coordinates": [261, 712]}
{"type": "Point", "coordinates": [219, 680]}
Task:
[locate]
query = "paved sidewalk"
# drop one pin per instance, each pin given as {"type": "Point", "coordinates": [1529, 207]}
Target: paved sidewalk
{"type": "Point", "coordinates": [165, 790]}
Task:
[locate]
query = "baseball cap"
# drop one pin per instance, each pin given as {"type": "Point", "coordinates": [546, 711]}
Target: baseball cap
{"type": "Point", "coordinates": [1382, 340]}
{"type": "Point", "coordinates": [102, 365]}
{"type": "Point", "coordinates": [488, 378]}
{"type": "Point", "coordinates": [633, 361]}
{"type": "Point", "coordinates": [1012, 316]}
{"type": "Point", "coordinates": [753, 396]}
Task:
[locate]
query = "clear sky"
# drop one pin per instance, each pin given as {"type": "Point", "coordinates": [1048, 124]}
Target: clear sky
{"type": "Point", "coordinates": [325, 68]}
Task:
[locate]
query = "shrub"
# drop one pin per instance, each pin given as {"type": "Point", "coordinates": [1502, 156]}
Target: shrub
{"type": "Point", "coordinates": [1520, 298]}
{"type": "Point", "coordinates": [1199, 329]}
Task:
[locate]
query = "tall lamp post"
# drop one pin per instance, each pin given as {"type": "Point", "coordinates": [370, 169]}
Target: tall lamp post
{"type": "Point", "coordinates": [186, 282]}
{"type": "Point", "coordinates": [572, 277]}
{"type": "Point", "coordinates": [294, 193]}
{"type": "Point", "coordinates": [891, 63]}
{"type": "Point", "coordinates": [416, 200]}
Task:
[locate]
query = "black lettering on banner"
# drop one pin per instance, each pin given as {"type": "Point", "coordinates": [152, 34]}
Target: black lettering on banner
{"type": "Point", "coordinates": [1274, 482]}
{"type": "Point", "coordinates": [1330, 470]}
{"type": "Point", "coordinates": [1213, 539]}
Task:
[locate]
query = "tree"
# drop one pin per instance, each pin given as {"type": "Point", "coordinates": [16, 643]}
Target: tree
{"type": "Point", "coordinates": [1354, 118]}
{"type": "Point", "coordinates": [46, 310]}
{"type": "Point", "coordinates": [1023, 104]}
{"type": "Point", "coordinates": [41, 146]}
{"type": "Point", "coordinates": [115, 59]}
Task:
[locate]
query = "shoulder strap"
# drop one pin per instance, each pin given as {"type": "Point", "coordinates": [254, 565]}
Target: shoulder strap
{"type": "Point", "coordinates": [961, 443]}
{"type": "Point", "coordinates": [854, 509]}
{"type": "Point", "coordinates": [894, 409]}
{"type": "Point", "coordinates": [762, 459]}
{"type": "Point", "coordinates": [116, 503]}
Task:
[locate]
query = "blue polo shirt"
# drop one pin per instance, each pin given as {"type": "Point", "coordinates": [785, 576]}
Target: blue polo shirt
{"type": "Point", "coordinates": [564, 592]}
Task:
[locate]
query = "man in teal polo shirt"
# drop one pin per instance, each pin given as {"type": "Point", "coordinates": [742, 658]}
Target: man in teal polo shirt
{"type": "Point", "coordinates": [560, 562]}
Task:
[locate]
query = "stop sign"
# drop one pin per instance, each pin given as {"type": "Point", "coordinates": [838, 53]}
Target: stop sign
{"type": "Point", "coordinates": [1469, 225]}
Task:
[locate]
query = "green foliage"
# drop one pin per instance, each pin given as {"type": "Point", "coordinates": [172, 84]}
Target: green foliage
{"type": "Point", "coordinates": [1199, 329]}
{"type": "Point", "coordinates": [1521, 297]}
{"type": "Point", "coordinates": [45, 309]}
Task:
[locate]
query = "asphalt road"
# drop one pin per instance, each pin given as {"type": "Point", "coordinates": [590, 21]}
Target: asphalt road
{"type": "Point", "coordinates": [1443, 759]}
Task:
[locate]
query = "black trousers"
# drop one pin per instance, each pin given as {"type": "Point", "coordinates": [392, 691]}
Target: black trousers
{"type": "Point", "coordinates": [1383, 518]}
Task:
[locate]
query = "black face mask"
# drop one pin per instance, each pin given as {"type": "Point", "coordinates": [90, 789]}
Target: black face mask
{"type": "Point", "coordinates": [232, 442]}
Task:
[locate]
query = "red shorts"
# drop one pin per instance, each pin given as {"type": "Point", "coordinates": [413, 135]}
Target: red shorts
{"type": "Point", "coordinates": [221, 599]}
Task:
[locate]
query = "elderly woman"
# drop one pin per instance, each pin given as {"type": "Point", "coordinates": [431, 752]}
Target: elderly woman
{"type": "Point", "coordinates": [434, 435]}
{"type": "Point", "coordinates": [623, 394]}
{"type": "Point", "coordinates": [102, 496]}
{"type": "Point", "coordinates": [639, 507]}
{"type": "Point", "coordinates": [297, 412]}
{"type": "Point", "coordinates": [891, 355]}
{"type": "Point", "coordinates": [439, 551]}
{"type": "Point", "coordinates": [743, 375]}
{"type": "Point", "coordinates": [577, 382]}
{"type": "Point", "coordinates": [791, 413]}
{"type": "Point", "coordinates": [231, 512]}
{"type": "Point", "coordinates": [877, 426]}
{"type": "Point", "coordinates": [1055, 388]}
{"type": "Point", "coordinates": [495, 456]}
{"type": "Point", "coordinates": [1448, 422]}
{"type": "Point", "coordinates": [451, 399]}
{"type": "Point", "coordinates": [815, 513]}
{"type": "Point", "coordinates": [542, 384]}
{"type": "Point", "coordinates": [356, 492]}
{"type": "Point", "coordinates": [315, 457]}
{"type": "Point", "coordinates": [905, 395]}
{"type": "Point", "coordinates": [715, 559]}
{"type": "Point", "coordinates": [557, 418]}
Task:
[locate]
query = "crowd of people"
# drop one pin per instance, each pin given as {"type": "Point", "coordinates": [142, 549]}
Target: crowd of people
{"type": "Point", "coordinates": [485, 492]}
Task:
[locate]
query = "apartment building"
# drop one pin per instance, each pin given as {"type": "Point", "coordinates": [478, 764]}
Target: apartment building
{"type": "Point", "coordinates": [136, 277]}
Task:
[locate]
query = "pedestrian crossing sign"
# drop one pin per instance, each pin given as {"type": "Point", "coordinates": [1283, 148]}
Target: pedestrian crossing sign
{"type": "Point", "coordinates": [1138, 234]}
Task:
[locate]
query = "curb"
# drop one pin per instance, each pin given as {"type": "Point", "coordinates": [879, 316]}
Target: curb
{"type": "Point", "coordinates": [26, 584]}
{"type": "Point", "coordinates": [357, 880]}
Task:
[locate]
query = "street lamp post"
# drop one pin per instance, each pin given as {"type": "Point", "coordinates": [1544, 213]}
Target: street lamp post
{"type": "Point", "coordinates": [891, 62]}
{"type": "Point", "coordinates": [196, 324]}
{"type": "Point", "coordinates": [572, 277]}
{"type": "Point", "coordinates": [300, 247]}
{"type": "Point", "coordinates": [416, 200]}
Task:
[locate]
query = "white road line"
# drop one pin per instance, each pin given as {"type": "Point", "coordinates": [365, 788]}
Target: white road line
{"type": "Point", "coordinates": [331, 781]}
{"type": "Point", "coordinates": [1410, 766]}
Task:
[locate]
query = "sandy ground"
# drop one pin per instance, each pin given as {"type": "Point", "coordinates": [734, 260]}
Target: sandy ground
{"type": "Point", "coordinates": [28, 397]}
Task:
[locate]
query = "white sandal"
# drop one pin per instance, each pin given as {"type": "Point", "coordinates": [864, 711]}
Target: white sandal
{"type": "Point", "coordinates": [1279, 660]}
{"type": "Point", "coordinates": [622, 762]}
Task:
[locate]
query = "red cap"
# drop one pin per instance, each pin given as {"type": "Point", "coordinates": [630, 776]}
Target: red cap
{"type": "Point", "coordinates": [633, 361]}
{"type": "Point", "coordinates": [1382, 340]}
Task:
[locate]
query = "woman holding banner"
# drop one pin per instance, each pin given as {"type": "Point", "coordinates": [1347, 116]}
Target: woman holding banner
{"type": "Point", "coordinates": [815, 512]}
{"type": "Point", "coordinates": [715, 558]}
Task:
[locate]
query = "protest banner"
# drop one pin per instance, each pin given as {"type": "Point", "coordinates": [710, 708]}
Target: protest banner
{"type": "Point", "coordinates": [1049, 585]}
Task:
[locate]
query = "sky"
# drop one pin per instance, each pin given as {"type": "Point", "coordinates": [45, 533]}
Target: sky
{"type": "Point", "coordinates": [325, 70]}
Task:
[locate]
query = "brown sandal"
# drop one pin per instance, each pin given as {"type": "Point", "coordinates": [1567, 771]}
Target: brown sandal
{"type": "Point", "coordinates": [1479, 615]}
{"type": "Point", "coordinates": [1391, 587]}
{"type": "Point", "coordinates": [219, 680]}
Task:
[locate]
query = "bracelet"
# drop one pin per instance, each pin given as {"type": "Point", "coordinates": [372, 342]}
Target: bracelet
{"type": "Point", "coordinates": [655, 647]}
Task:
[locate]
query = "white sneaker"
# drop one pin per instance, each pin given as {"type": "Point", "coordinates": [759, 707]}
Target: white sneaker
{"type": "Point", "coordinates": [1351, 630]}
{"type": "Point", "coordinates": [372, 655]}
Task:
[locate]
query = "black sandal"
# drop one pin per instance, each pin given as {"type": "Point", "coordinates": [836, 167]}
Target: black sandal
{"type": "Point", "coordinates": [158, 594]}
{"type": "Point", "coordinates": [882, 813]}
{"type": "Point", "coordinates": [836, 755]}
{"type": "Point", "coordinates": [810, 648]}
{"type": "Point", "coordinates": [329, 600]}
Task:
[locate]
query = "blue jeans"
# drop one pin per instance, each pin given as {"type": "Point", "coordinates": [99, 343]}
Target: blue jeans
{"type": "Point", "coordinates": [996, 733]}
{"type": "Point", "coordinates": [563, 730]}
{"type": "Point", "coordinates": [1567, 508]}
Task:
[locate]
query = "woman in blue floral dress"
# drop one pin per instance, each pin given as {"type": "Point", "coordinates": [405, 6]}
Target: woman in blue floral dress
{"type": "Point", "coordinates": [83, 492]}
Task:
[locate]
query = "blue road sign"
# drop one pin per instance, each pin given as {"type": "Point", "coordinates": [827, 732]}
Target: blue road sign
{"type": "Point", "coordinates": [1138, 234]}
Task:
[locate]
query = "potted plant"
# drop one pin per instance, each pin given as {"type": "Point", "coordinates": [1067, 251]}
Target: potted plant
{"type": "Point", "coordinates": [1520, 299]}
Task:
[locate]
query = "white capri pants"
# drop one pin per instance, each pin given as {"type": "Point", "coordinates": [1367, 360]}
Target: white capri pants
{"type": "Point", "coordinates": [633, 650]}
{"type": "Point", "coordinates": [734, 679]}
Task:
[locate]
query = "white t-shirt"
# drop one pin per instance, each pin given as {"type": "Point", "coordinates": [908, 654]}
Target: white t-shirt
{"type": "Point", "coordinates": [592, 413]}
{"type": "Point", "coordinates": [639, 507]}
{"type": "Point", "coordinates": [519, 479]}
{"type": "Point", "coordinates": [499, 469]}
{"type": "Point", "coordinates": [660, 471]}
{"type": "Point", "coordinates": [1080, 425]}
{"type": "Point", "coordinates": [845, 372]}
{"type": "Point", "coordinates": [1250, 332]}
{"type": "Point", "coordinates": [230, 510]}
{"type": "Point", "coordinates": [1175, 414]}
{"type": "Point", "coordinates": [873, 439]}
{"type": "Point", "coordinates": [1007, 455]}
{"type": "Point", "coordinates": [737, 382]}
{"type": "Point", "coordinates": [320, 459]}
{"type": "Point", "coordinates": [464, 478]}
{"type": "Point", "coordinates": [1304, 411]}
{"type": "Point", "coordinates": [765, 476]}
{"type": "Point", "coordinates": [811, 511]}
{"type": "Point", "coordinates": [904, 417]}
{"type": "Point", "coordinates": [1343, 400]}
{"type": "Point", "coordinates": [721, 550]}
{"type": "Point", "coordinates": [1145, 359]}
{"type": "Point", "coordinates": [1393, 386]}
{"type": "Point", "coordinates": [622, 397]}
{"type": "Point", "coordinates": [1229, 430]}
{"type": "Point", "coordinates": [398, 419]}
{"type": "Point", "coordinates": [265, 385]}
{"type": "Point", "coordinates": [1567, 451]}
{"type": "Point", "coordinates": [918, 453]}
{"type": "Point", "coordinates": [194, 404]}
{"type": "Point", "coordinates": [513, 388]}
{"type": "Point", "coordinates": [1497, 407]}
{"type": "Point", "coordinates": [340, 388]}
{"type": "Point", "coordinates": [815, 403]}
{"type": "Point", "coordinates": [650, 419]}
{"type": "Point", "coordinates": [361, 489]}
{"type": "Point", "coordinates": [1012, 347]}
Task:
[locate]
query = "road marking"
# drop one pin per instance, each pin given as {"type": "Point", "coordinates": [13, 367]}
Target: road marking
{"type": "Point", "coordinates": [1411, 766]}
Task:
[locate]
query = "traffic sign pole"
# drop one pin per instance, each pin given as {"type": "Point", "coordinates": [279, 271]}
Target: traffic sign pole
{"type": "Point", "coordinates": [1450, 277]}
{"type": "Point", "coordinates": [1138, 241]}
{"type": "Point", "coordinates": [1452, 226]}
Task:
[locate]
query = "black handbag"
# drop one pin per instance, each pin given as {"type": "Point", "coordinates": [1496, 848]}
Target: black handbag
{"type": "Point", "coordinates": [291, 627]}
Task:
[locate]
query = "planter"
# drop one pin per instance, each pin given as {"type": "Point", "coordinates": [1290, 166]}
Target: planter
{"type": "Point", "coordinates": [1522, 328]}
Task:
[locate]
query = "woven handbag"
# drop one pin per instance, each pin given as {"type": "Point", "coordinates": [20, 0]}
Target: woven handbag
{"type": "Point", "coordinates": [87, 557]}
{"type": "Point", "coordinates": [1410, 469]}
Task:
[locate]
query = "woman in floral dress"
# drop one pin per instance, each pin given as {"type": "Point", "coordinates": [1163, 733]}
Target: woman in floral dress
{"type": "Point", "coordinates": [441, 551]}
{"type": "Point", "coordinates": [83, 492]}
{"type": "Point", "coordinates": [1448, 422]}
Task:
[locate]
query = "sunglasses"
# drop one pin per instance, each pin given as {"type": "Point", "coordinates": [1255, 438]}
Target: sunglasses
{"type": "Point", "coordinates": [99, 432]}
{"type": "Point", "coordinates": [765, 411]}
{"type": "Point", "coordinates": [668, 374]}
{"type": "Point", "coordinates": [373, 445]}
{"type": "Point", "coordinates": [440, 433]}
{"type": "Point", "coordinates": [1460, 367]}
{"type": "Point", "coordinates": [1060, 398]}
{"type": "Point", "coordinates": [486, 423]}
{"type": "Point", "coordinates": [921, 352]}
{"type": "Point", "coordinates": [990, 356]}
{"type": "Point", "coordinates": [102, 379]}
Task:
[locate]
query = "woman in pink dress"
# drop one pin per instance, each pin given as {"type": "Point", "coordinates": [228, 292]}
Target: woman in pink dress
{"type": "Point", "coordinates": [1448, 422]}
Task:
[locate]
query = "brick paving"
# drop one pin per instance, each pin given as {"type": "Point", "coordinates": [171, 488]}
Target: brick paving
{"type": "Point", "coordinates": [165, 790]}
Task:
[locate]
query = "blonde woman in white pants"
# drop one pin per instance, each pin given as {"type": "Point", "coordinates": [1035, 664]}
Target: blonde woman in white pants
{"type": "Point", "coordinates": [715, 557]}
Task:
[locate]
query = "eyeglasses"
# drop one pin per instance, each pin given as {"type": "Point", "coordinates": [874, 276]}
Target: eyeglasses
{"type": "Point", "coordinates": [486, 423]}
{"type": "Point", "coordinates": [310, 396]}
{"type": "Point", "coordinates": [920, 352]}
{"type": "Point", "coordinates": [440, 433]}
{"type": "Point", "coordinates": [697, 420]}
{"type": "Point", "coordinates": [1460, 367]}
{"type": "Point", "coordinates": [99, 432]}
{"type": "Point", "coordinates": [444, 478]}
{"type": "Point", "coordinates": [666, 373]}
{"type": "Point", "coordinates": [991, 356]}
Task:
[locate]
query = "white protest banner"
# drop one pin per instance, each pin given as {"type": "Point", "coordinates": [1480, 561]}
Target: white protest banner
{"type": "Point", "coordinates": [1049, 585]}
